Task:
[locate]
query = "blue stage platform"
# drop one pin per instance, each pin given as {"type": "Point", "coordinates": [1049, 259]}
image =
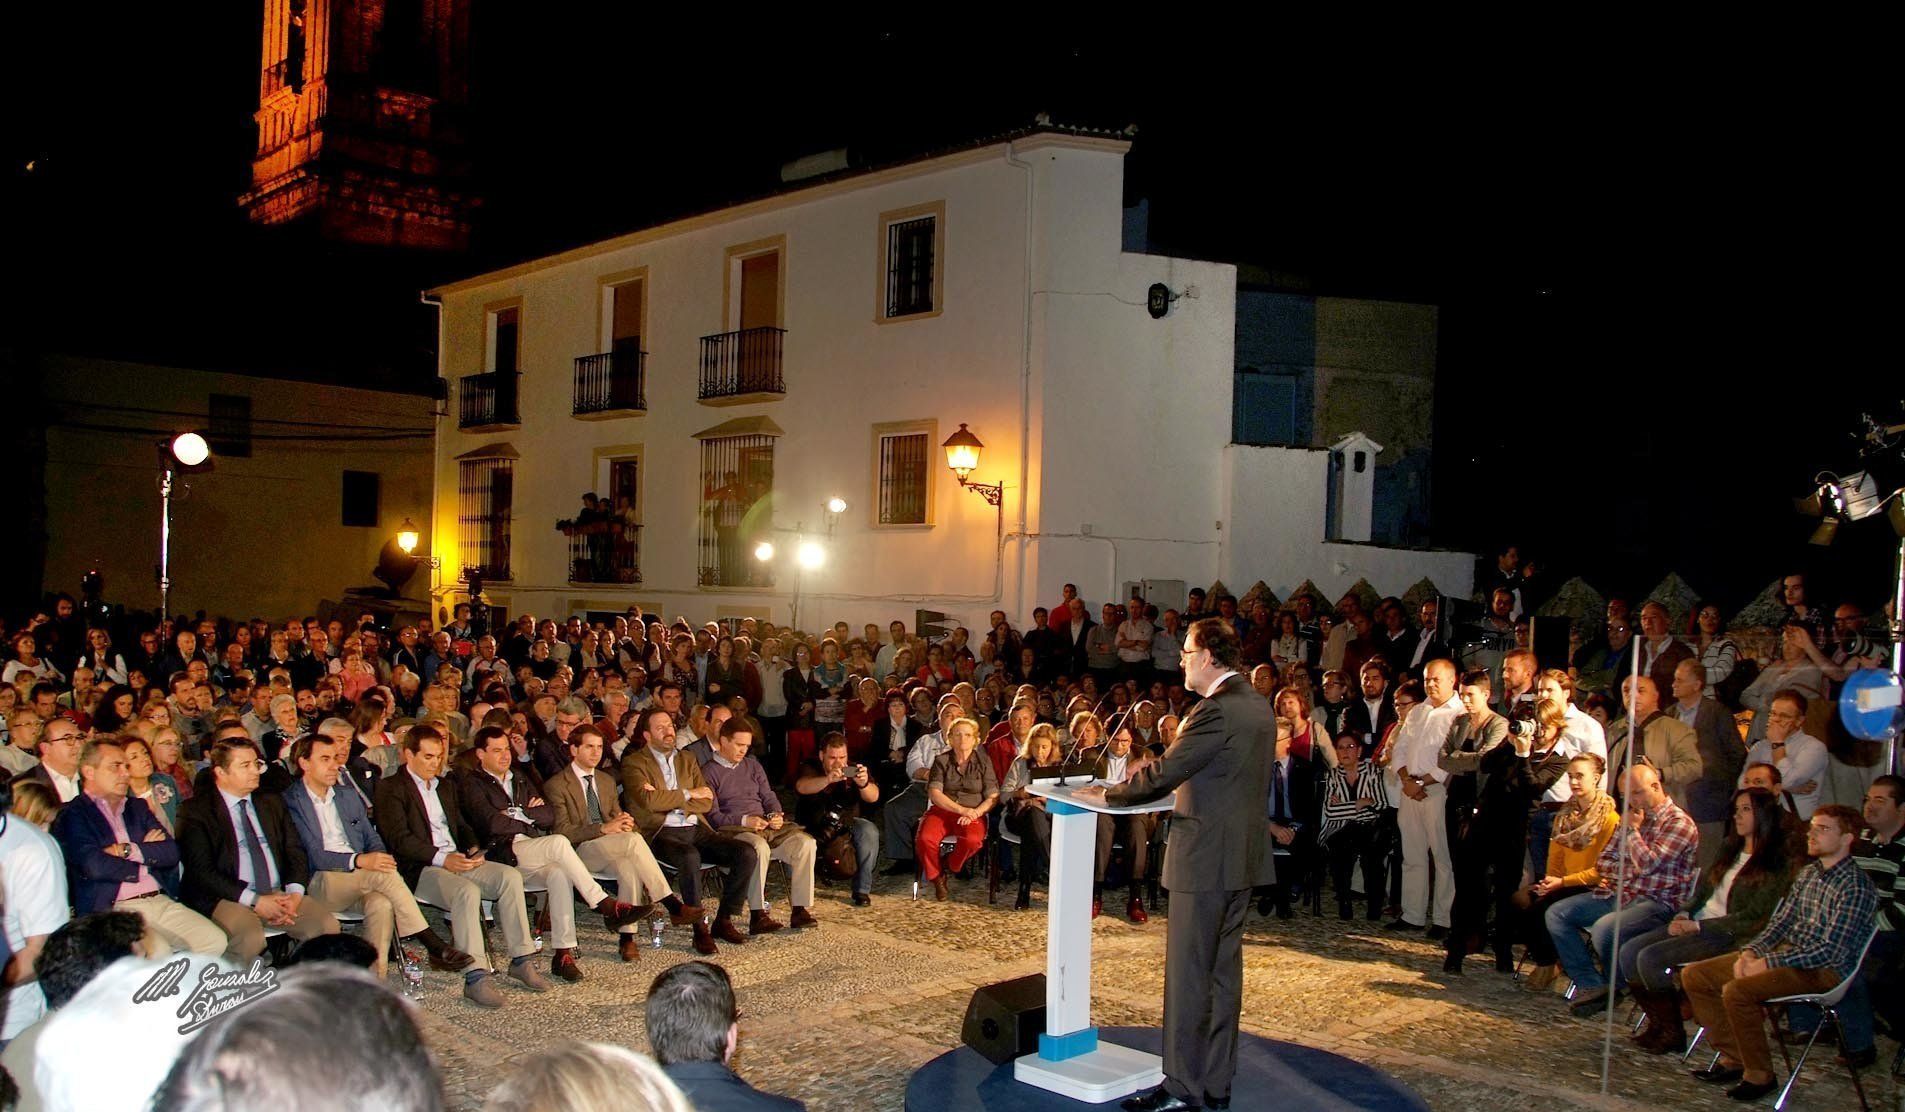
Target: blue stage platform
{"type": "Point", "coordinates": [1269, 1075]}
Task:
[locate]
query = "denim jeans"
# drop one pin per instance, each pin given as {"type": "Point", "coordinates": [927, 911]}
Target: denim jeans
{"type": "Point", "coordinates": [1881, 972]}
{"type": "Point", "coordinates": [1596, 915]}
{"type": "Point", "coordinates": [1540, 833]}
{"type": "Point", "coordinates": [866, 849]}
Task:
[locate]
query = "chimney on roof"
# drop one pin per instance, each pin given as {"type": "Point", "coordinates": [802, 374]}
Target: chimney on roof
{"type": "Point", "coordinates": [814, 165]}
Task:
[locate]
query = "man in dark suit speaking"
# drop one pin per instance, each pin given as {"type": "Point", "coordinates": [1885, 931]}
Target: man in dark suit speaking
{"type": "Point", "coordinates": [1220, 768]}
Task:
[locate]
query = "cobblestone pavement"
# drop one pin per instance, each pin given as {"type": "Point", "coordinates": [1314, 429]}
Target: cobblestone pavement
{"type": "Point", "coordinates": [840, 1016]}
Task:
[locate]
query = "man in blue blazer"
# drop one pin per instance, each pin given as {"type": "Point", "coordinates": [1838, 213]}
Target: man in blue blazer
{"type": "Point", "coordinates": [113, 845]}
{"type": "Point", "coordinates": [350, 869]}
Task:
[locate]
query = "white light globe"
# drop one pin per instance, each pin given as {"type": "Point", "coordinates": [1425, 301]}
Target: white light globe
{"type": "Point", "coordinates": [190, 449]}
{"type": "Point", "coordinates": [812, 555]}
{"type": "Point", "coordinates": [764, 552]}
{"type": "Point", "coordinates": [836, 505]}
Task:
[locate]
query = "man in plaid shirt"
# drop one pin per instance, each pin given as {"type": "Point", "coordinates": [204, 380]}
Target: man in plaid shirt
{"type": "Point", "coordinates": [1657, 878]}
{"type": "Point", "coordinates": [1811, 943]}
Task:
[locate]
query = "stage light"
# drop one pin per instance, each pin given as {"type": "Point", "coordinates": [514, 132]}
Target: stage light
{"type": "Point", "coordinates": [190, 449]}
{"type": "Point", "coordinates": [1828, 529]}
{"type": "Point", "coordinates": [811, 555]}
{"type": "Point", "coordinates": [764, 551]}
{"type": "Point", "coordinates": [836, 505]}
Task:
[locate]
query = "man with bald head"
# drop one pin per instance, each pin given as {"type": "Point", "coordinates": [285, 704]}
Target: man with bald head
{"type": "Point", "coordinates": [1656, 880]}
{"type": "Point", "coordinates": [1663, 739]}
{"type": "Point", "coordinates": [1423, 812]}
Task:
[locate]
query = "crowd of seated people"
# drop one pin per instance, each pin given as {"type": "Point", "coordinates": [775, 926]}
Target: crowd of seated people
{"type": "Point", "coordinates": [231, 781]}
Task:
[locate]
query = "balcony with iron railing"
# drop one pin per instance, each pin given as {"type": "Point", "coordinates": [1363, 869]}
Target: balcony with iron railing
{"type": "Point", "coordinates": [611, 384]}
{"type": "Point", "coordinates": [742, 367]}
{"type": "Point", "coordinates": [604, 552]}
{"type": "Point", "coordinates": [488, 402]}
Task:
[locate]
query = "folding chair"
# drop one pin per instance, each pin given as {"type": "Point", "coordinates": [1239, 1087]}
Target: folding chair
{"type": "Point", "coordinates": [1828, 1004]}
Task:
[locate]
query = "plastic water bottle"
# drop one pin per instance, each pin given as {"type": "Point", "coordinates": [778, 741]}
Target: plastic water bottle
{"type": "Point", "coordinates": [655, 927]}
{"type": "Point", "coordinates": [412, 973]}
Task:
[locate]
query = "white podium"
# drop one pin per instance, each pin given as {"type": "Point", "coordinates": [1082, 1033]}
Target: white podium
{"type": "Point", "coordinates": [1070, 1060]}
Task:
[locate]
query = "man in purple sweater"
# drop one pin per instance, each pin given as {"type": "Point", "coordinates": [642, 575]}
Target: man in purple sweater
{"type": "Point", "coordinates": [746, 808]}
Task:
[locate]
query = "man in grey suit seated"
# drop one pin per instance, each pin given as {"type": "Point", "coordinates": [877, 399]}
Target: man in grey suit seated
{"type": "Point", "coordinates": [1219, 766]}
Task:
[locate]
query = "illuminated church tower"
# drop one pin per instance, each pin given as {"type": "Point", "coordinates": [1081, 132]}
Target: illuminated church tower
{"type": "Point", "coordinates": [361, 107]}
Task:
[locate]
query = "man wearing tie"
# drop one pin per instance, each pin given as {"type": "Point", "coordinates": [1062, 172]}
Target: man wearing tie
{"type": "Point", "coordinates": [1219, 766]}
{"type": "Point", "coordinates": [244, 865]}
{"type": "Point", "coordinates": [1291, 827]}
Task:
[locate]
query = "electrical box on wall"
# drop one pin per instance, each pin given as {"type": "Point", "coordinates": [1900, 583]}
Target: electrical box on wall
{"type": "Point", "coordinates": [1165, 594]}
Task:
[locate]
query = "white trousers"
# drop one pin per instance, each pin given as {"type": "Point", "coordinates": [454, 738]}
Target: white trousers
{"type": "Point", "coordinates": [1425, 846]}
{"type": "Point", "coordinates": [553, 861]}
{"type": "Point", "coordinates": [638, 877]}
{"type": "Point", "coordinates": [789, 844]}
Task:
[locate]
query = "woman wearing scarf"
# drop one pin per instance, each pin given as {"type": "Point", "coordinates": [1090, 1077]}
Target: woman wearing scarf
{"type": "Point", "coordinates": [1581, 829]}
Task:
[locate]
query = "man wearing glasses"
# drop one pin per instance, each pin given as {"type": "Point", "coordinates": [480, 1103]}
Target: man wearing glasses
{"type": "Point", "coordinates": [1801, 759]}
{"type": "Point", "coordinates": [1219, 766]}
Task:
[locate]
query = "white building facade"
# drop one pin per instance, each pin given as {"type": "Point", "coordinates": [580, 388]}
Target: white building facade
{"type": "Point", "coordinates": [718, 380]}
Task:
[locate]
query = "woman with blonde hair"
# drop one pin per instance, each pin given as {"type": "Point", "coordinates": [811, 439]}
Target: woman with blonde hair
{"type": "Point", "coordinates": [1582, 828]}
{"type": "Point", "coordinates": [1025, 812]}
{"type": "Point", "coordinates": [35, 802]}
{"type": "Point", "coordinates": [587, 1077]}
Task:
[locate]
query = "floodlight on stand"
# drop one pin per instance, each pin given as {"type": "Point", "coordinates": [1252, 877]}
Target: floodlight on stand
{"type": "Point", "coordinates": [811, 555]}
{"type": "Point", "coordinates": [836, 505]}
{"type": "Point", "coordinates": [190, 449]}
{"type": "Point", "coordinates": [1859, 496]}
{"type": "Point", "coordinates": [1827, 530]}
{"type": "Point", "coordinates": [764, 551]}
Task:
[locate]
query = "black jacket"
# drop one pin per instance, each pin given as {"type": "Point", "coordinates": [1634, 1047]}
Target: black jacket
{"type": "Point", "coordinates": [713, 1087]}
{"type": "Point", "coordinates": [1356, 720]}
{"type": "Point", "coordinates": [405, 825]}
{"type": "Point", "coordinates": [1220, 769]}
{"type": "Point", "coordinates": [209, 848]}
{"type": "Point", "coordinates": [486, 808]}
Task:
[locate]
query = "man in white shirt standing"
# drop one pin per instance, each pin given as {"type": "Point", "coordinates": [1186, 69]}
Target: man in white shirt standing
{"type": "Point", "coordinates": [1134, 646]}
{"type": "Point", "coordinates": [1423, 811]}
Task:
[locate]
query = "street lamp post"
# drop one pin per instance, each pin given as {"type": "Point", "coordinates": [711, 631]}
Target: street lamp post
{"type": "Point", "coordinates": [185, 452]}
{"type": "Point", "coordinates": [962, 455]}
{"type": "Point", "coordinates": [809, 555]}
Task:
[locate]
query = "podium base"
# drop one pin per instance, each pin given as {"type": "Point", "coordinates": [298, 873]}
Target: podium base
{"type": "Point", "coordinates": [1107, 1073]}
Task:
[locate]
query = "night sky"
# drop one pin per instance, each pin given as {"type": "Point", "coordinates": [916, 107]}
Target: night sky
{"type": "Point", "coordinates": [1650, 329]}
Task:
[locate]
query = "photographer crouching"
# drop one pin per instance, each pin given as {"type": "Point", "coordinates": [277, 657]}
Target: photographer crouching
{"type": "Point", "coordinates": [831, 792]}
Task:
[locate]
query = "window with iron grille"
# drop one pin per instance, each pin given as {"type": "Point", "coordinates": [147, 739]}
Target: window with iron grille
{"type": "Point", "coordinates": [228, 429]}
{"type": "Point", "coordinates": [737, 477]}
{"type": "Point", "coordinates": [903, 478]}
{"type": "Point", "coordinates": [909, 265]}
{"type": "Point", "coordinates": [486, 495]}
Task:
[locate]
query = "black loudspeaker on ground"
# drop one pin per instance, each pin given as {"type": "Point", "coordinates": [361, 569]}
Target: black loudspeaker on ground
{"type": "Point", "coordinates": [1004, 1020]}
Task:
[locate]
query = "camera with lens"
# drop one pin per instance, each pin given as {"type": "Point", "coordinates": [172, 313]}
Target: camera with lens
{"type": "Point", "coordinates": [1522, 721]}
